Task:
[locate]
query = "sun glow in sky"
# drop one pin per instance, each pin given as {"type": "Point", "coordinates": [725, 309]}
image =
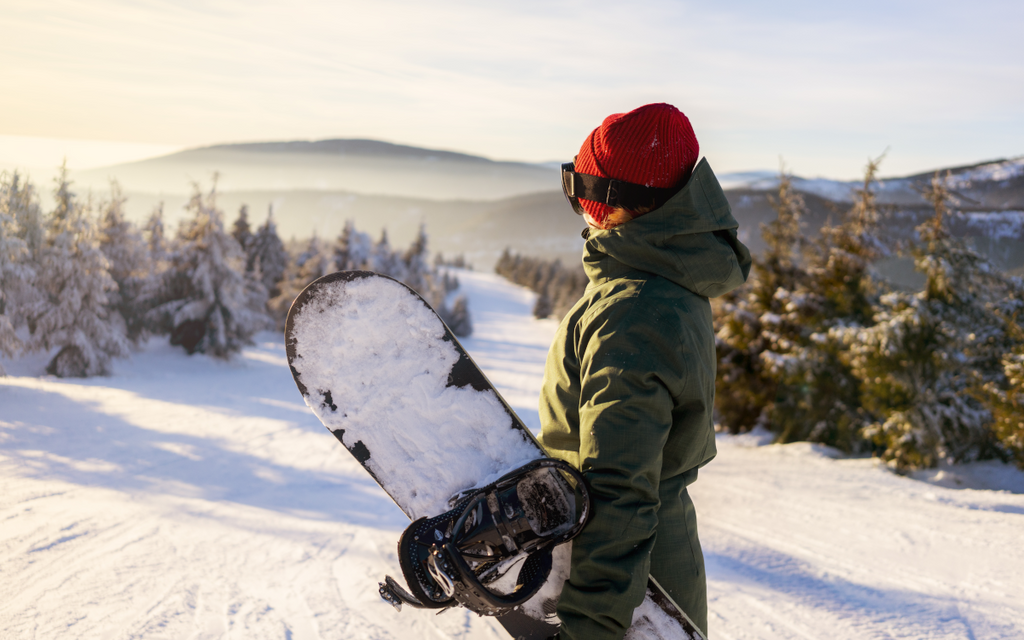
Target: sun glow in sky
{"type": "Point", "coordinates": [822, 85]}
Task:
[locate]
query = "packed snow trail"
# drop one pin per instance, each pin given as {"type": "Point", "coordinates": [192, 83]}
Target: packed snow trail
{"type": "Point", "coordinates": [799, 545]}
{"type": "Point", "coordinates": [185, 497]}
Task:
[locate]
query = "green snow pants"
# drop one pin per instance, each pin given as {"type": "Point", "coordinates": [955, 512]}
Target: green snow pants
{"type": "Point", "coordinates": [610, 556]}
{"type": "Point", "coordinates": [677, 562]}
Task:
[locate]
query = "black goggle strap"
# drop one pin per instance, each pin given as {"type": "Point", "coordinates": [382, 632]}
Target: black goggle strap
{"type": "Point", "coordinates": [614, 193]}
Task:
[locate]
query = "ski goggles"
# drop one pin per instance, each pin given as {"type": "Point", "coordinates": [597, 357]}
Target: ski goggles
{"type": "Point", "coordinates": [614, 193]}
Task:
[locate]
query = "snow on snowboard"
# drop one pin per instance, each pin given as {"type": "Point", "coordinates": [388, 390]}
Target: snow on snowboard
{"type": "Point", "coordinates": [385, 375]}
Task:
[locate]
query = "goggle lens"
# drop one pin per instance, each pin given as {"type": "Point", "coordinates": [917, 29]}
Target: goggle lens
{"type": "Point", "coordinates": [568, 186]}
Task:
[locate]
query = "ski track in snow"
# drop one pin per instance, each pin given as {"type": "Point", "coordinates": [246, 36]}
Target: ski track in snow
{"type": "Point", "coordinates": [189, 498]}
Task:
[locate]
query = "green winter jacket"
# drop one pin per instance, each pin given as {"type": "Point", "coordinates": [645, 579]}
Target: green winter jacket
{"type": "Point", "coordinates": [628, 393]}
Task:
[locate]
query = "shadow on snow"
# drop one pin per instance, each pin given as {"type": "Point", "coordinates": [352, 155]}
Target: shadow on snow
{"type": "Point", "coordinates": [877, 610]}
{"type": "Point", "coordinates": [103, 450]}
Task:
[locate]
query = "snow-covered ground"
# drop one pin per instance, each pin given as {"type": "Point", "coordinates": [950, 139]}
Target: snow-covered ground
{"type": "Point", "coordinates": [184, 497]}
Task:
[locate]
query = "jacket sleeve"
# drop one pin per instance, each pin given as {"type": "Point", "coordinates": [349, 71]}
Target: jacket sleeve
{"type": "Point", "coordinates": [628, 371]}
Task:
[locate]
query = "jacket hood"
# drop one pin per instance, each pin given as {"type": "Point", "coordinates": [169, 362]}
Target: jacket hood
{"type": "Point", "coordinates": [690, 240]}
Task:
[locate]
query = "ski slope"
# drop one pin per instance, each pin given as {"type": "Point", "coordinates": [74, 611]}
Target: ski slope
{"type": "Point", "coordinates": [185, 497]}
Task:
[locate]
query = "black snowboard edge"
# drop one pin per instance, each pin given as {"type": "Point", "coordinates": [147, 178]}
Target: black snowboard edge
{"type": "Point", "coordinates": [669, 606]}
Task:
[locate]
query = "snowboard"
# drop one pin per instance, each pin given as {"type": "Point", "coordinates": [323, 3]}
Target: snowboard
{"type": "Point", "coordinates": [383, 373]}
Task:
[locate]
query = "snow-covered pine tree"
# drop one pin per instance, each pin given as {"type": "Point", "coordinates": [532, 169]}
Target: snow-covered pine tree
{"type": "Point", "coordinates": [205, 302]}
{"type": "Point", "coordinates": [383, 259]}
{"type": "Point", "coordinates": [72, 274]}
{"type": "Point", "coordinates": [155, 237]}
{"type": "Point", "coordinates": [314, 262]}
{"type": "Point", "coordinates": [543, 307]}
{"type": "Point", "coordinates": [342, 247]}
{"type": "Point", "coordinates": [819, 397]}
{"type": "Point", "coordinates": [457, 318]}
{"type": "Point", "coordinates": [761, 325]}
{"type": "Point", "coordinates": [434, 285]}
{"type": "Point", "coordinates": [557, 288]}
{"type": "Point", "coordinates": [309, 265]}
{"type": "Point", "coordinates": [415, 263]}
{"type": "Point", "coordinates": [240, 230]}
{"type": "Point", "coordinates": [129, 264]}
{"type": "Point", "coordinates": [506, 264]}
{"type": "Point", "coordinates": [780, 364]}
{"type": "Point", "coordinates": [266, 250]}
{"type": "Point", "coordinates": [926, 353]}
{"type": "Point", "coordinates": [158, 254]}
{"type": "Point", "coordinates": [16, 273]}
{"type": "Point", "coordinates": [451, 282]}
{"type": "Point", "coordinates": [353, 249]}
{"type": "Point", "coordinates": [1005, 398]}
{"type": "Point", "coordinates": [28, 215]}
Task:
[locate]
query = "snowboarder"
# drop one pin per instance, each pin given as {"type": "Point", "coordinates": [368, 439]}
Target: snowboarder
{"type": "Point", "coordinates": [629, 382]}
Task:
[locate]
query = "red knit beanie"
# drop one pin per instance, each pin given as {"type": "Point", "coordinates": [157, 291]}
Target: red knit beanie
{"type": "Point", "coordinates": [653, 145]}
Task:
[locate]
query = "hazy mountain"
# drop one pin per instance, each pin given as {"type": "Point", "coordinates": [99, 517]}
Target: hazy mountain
{"type": "Point", "coordinates": [477, 207]}
{"type": "Point", "coordinates": [362, 166]}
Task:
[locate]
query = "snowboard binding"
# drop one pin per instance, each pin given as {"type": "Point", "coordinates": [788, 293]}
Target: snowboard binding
{"type": "Point", "coordinates": [450, 559]}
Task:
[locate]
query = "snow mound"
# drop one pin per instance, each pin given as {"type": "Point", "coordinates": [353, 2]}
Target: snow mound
{"type": "Point", "coordinates": [989, 475]}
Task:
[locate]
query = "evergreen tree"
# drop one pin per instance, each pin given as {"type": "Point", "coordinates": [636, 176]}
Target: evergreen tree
{"type": "Point", "coordinates": [543, 307]}
{"type": "Point", "coordinates": [920, 361]}
{"type": "Point", "coordinates": [820, 398]}
{"type": "Point", "coordinates": [314, 262]}
{"type": "Point", "coordinates": [383, 259]}
{"type": "Point", "coordinates": [1005, 398]}
{"type": "Point", "coordinates": [353, 249]}
{"type": "Point", "coordinates": [155, 237]}
{"type": "Point", "coordinates": [73, 276]}
{"type": "Point", "coordinates": [557, 288]}
{"type": "Point", "coordinates": [158, 254]}
{"type": "Point", "coordinates": [782, 365]}
{"type": "Point", "coordinates": [205, 302]}
{"type": "Point", "coordinates": [240, 230]}
{"type": "Point", "coordinates": [762, 323]}
{"type": "Point", "coordinates": [129, 264]}
{"type": "Point", "coordinates": [415, 263]}
{"type": "Point", "coordinates": [16, 273]}
{"type": "Point", "coordinates": [266, 250]}
{"type": "Point", "coordinates": [841, 265]}
{"type": "Point", "coordinates": [23, 204]}
{"type": "Point", "coordinates": [457, 318]}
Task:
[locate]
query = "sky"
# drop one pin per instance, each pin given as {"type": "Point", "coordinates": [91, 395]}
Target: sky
{"type": "Point", "coordinates": [819, 86]}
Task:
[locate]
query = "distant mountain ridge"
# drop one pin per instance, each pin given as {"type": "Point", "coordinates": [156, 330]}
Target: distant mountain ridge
{"type": "Point", "coordinates": [348, 146]}
{"type": "Point", "coordinates": [368, 167]}
{"type": "Point", "coordinates": [994, 184]}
